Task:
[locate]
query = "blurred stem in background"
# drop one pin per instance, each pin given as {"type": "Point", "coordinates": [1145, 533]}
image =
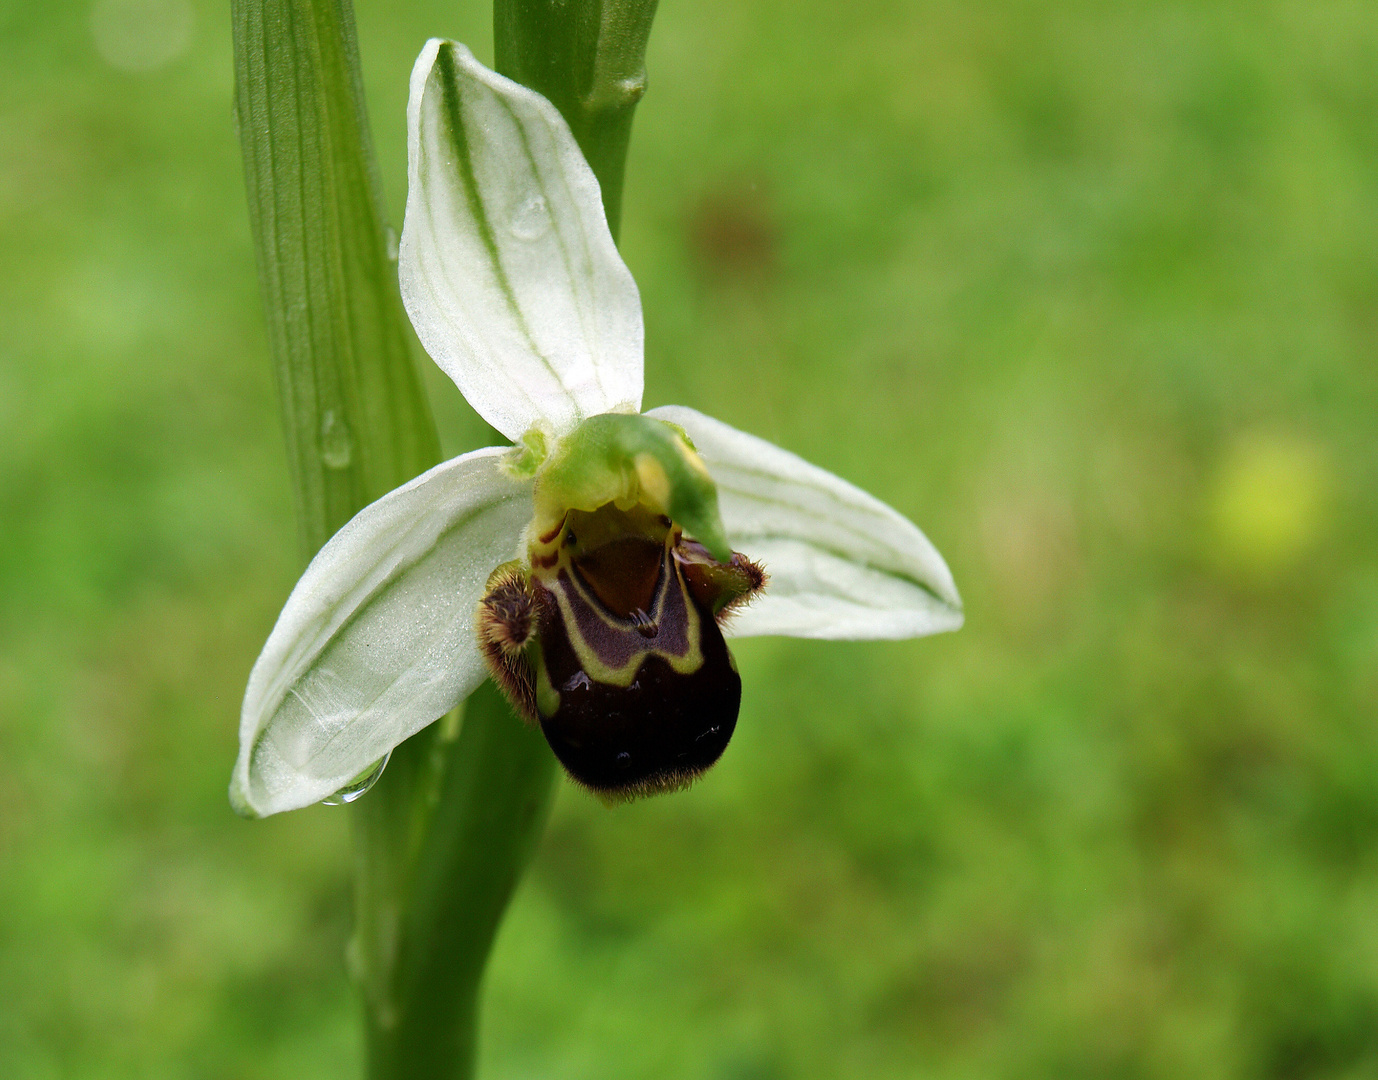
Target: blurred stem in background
{"type": "Point", "coordinates": [441, 840]}
{"type": "Point", "coordinates": [589, 58]}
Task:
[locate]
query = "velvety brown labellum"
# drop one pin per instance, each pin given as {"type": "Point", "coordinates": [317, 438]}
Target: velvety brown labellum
{"type": "Point", "coordinates": [611, 642]}
{"type": "Point", "coordinates": [679, 710]}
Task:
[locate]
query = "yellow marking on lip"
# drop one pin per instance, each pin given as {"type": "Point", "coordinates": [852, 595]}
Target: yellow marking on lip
{"type": "Point", "coordinates": [623, 676]}
{"type": "Point", "coordinates": [549, 537]}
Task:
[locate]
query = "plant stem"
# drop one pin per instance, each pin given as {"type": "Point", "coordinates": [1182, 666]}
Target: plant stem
{"type": "Point", "coordinates": [443, 837]}
{"type": "Point", "coordinates": [438, 859]}
{"type": "Point", "coordinates": [354, 412]}
{"type": "Point", "coordinates": [589, 58]}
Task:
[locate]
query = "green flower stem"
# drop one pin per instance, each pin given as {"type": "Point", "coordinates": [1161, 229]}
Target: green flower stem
{"type": "Point", "coordinates": [443, 837]}
{"type": "Point", "coordinates": [439, 856]}
{"type": "Point", "coordinates": [589, 58]}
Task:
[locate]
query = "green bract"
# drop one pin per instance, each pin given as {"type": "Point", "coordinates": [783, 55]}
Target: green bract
{"type": "Point", "coordinates": [516, 289]}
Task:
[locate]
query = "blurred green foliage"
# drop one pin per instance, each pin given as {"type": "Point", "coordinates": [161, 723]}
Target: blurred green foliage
{"type": "Point", "coordinates": [1089, 290]}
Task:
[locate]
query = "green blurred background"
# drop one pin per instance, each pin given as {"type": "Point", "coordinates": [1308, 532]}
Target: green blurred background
{"type": "Point", "coordinates": [1088, 289]}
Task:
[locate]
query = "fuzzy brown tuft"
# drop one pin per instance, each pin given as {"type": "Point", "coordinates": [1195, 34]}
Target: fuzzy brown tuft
{"type": "Point", "coordinates": [753, 580]}
{"type": "Point", "coordinates": [507, 622]}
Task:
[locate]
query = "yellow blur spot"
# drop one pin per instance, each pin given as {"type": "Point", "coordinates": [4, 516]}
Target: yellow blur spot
{"type": "Point", "coordinates": [1270, 503]}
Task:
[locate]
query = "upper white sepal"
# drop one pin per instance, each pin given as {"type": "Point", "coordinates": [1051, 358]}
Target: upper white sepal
{"type": "Point", "coordinates": [507, 267]}
{"type": "Point", "coordinates": [377, 639]}
{"type": "Point", "coordinates": [842, 564]}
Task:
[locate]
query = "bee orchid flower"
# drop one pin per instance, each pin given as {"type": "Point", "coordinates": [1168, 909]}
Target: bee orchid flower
{"type": "Point", "coordinates": [593, 567]}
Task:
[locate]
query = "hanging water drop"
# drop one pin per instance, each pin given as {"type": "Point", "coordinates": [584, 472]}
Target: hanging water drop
{"type": "Point", "coordinates": [390, 235]}
{"type": "Point", "coordinates": [360, 784]}
{"type": "Point", "coordinates": [337, 445]}
{"type": "Point", "coordinates": [531, 220]}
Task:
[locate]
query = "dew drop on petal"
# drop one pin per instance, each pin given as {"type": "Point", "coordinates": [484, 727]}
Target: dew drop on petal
{"type": "Point", "coordinates": [356, 787]}
{"type": "Point", "coordinates": [532, 219]}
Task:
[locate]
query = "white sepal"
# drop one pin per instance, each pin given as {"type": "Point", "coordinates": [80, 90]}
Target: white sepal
{"type": "Point", "coordinates": [842, 564]}
{"type": "Point", "coordinates": [377, 639]}
{"type": "Point", "coordinates": [508, 270]}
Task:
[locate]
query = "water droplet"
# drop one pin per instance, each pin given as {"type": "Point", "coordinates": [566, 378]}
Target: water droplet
{"type": "Point", "coordinates": [390, 235]}
{"type": "Point", "coordinates": [337, 445]}
{"type": "Point", "coordinates": [360, 784]}
{"type": "Point", "coordinates": [532, 219]}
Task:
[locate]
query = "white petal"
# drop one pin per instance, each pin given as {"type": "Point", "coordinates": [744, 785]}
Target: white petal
{"type": "Point", "coordinates": [508, 270]}
{"type": "Point", "coordinates": [377, 640]}
{"type": "Point", "coordinates": [842, 564]}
